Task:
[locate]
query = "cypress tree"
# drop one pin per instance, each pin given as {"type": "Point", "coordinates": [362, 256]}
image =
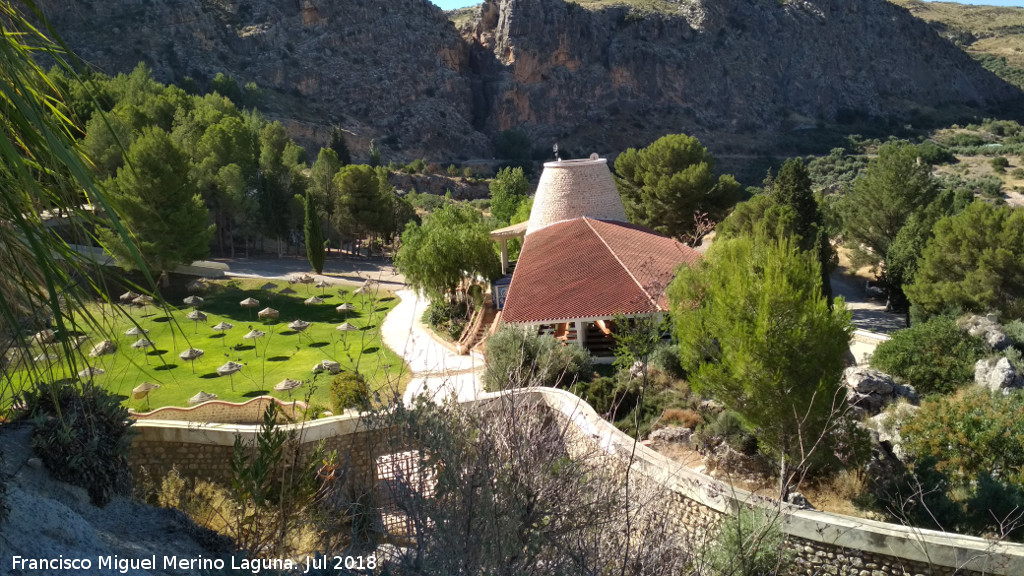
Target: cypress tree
{"type": "Point", "coordinates": [314, 236]}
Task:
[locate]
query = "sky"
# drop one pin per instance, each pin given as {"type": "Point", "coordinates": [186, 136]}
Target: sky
{"type": "Point", "coordinates": [450, 4]}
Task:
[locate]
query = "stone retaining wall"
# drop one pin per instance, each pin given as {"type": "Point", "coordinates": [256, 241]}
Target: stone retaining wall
{"type": "Point", "coordinates": [823, 543]}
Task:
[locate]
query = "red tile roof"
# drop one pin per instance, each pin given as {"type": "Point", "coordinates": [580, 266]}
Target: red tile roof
{"type": "Point", "coordinates": [586, 268]}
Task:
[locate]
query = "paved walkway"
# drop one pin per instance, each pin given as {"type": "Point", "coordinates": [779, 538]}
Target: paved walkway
{"type": "Point", "coordinates": [338, 269]}
{"type": "Point", "coordinates": [437, 371]}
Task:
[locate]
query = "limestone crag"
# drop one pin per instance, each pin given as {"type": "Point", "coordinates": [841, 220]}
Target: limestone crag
{"type": "Point", "coordinates": [869, 391]}
{"type": "Point", "coordinates": [398, 71]}
{"type": "Point", "coordinates": [997, 375]}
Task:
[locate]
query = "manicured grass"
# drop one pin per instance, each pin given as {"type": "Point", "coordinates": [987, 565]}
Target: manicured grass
{"type": "Point", "coordinates": [282, 353]}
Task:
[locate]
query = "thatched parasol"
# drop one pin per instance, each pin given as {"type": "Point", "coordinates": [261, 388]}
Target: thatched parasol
{"type": "Point", "coordinates": [136, 331]}
{"type": "Point", "coordinates": [299, 326]}
{"type": "Point", "coordinates": [286, 291]}
{"type": "Point", "coordinates": [346, 307]}
{"type": "Point", "coordinates": [45, 358]}
{"type": "Point", "coordinates": [90, 372]}
{"type": "Point", "coordinates": [143, 343]}
{"type": "Point", "coordinates": [268, 313]}
{"type": "Point", "coordinates": [322, 285]}
{"type": "Point", "coordinates": [228, 369]}
{"type": "Point", "coordinates": [197, 317]}
{"type": "Point", "coordinates": [143, 390]}
{"type": "Point", "coordinates": [191, 355]}
{"type": "Point", "coordinates": [346, 327]}
{"type": "Point", "coordinates": [44, 336]}
{"type": "Point", "coordinates": [143, 301]}
{"type": "Point", "coordinates": [202, 397]}
{"type": "Point", "coordinates": [128, 297]}
{"type": "Point", "coordinates": [252, 335]}
{"type": "Point", "coordinates": [194, 301]}
{"type": "Point", "coordinates": [313, 300]}
{"type": "Point", "coordinates": [223, 327]}
{"type": "Point", "coordinates": [287, 385]}
{"type": "Point", "coordinates": [249, 303]}
{"type": "Point", "coordinates": [268, 287]}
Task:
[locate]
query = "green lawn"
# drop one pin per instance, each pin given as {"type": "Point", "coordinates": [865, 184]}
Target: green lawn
{"type": "Point", "coordinates": [282, 353]}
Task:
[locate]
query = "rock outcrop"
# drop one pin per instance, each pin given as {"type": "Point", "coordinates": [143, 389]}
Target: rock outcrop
{"type": "Point", "coordinates": [987, 328]}
{"type": "Point", "coordinates": [738, 71]}
{"type": "Point", "coordinates": [997, 374]}
{"type": "Point", "coordinates": [870, 391]}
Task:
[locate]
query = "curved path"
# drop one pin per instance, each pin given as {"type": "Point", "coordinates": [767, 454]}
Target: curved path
{"type": "Point", "coordinates": [437, 371]}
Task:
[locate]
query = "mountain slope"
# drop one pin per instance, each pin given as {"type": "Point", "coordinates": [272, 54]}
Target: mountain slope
{"type": "Point", "coordinates": [594, 78]}
{"type": "Point", "coordinates": [992, 34]}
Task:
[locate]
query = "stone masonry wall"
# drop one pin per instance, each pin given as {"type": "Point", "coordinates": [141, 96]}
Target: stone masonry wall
{"type": "Point", "coordinates": [248, 412]}
{"type": "Point", "coordinates": [822, 543]}
{"type": "Point", "coordinates": [558, 195]}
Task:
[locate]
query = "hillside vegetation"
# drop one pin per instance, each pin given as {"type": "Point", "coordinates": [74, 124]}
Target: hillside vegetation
{"type": "Point", "coordinates": [993, 35]}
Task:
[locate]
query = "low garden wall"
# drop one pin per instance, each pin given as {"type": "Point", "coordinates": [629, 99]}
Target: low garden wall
{"type": "Point", "coordinates": [248, 412]}
{"type": "Point", "coordinates": [823, 543]}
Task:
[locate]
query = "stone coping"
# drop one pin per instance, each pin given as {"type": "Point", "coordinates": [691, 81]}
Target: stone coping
{"type": "Point", "coordinates": [919, 545]}
{"type": "Point", "coordinates": [183, 412]}
{"type": "Point", "coordinates": [575, 162]}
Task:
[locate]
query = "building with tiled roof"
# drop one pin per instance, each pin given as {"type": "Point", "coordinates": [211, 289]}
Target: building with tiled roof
{"type": "Point", "coordinates": [582, 264]}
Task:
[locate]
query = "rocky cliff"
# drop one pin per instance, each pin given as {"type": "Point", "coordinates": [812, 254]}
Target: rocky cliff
{"type": "Point", "coordinates": [593, 79]}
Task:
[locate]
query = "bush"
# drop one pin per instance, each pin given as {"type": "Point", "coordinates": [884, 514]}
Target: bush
{"type": "Point", "coordinates": [517, 359]}
{"type": "Point", "coordinates": [934, 154]}
{"type": "Point", "coordinates": [665, 358]}
{"type": "Point", "coordinates": [447, 318]}
{"type": "Point", "coordinates": [83, 436]}
{"type": "Point", "coordinates": [349, 390]}
{"type": "Point", "coordinates": [452, 170]}
{"type": "Point", "coordinates": [1015, 331]}
{"type": "Point", "coordinates": [999, 164]}
{"type": "Point", "coordinates": [749, 544]}
{"type": "Point", "coordinates": [726, 427]}
{"type": "Point", "coordinates": [973, 434]}
{"type": "Point", "coordinates": [934, 357]}
{"type": "Point", "coordinates": [685, 417]}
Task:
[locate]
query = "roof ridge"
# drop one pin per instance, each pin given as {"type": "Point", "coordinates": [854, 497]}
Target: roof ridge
{"type": "Point", "coordinates": [586, 220]}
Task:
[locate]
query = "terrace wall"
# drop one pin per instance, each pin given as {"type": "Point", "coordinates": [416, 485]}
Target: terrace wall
{"type": "Point", "coordinates": [823, 543]}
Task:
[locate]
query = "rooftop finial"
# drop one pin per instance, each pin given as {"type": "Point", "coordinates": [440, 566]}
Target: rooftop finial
{"type": "Point", "coordinates": [555, 148]}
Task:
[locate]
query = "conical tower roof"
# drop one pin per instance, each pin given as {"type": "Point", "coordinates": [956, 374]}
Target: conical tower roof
{"type": "Point", "coordinates": [571, 189]}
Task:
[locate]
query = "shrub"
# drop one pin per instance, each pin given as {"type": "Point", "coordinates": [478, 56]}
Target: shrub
{"type": "Point", "coordinates": [973, 434]}
{"type": "Point", "coordinates": [452, 170]}
{"type": "Point", "coordinates": [749, 544]}
{"type": "Point", "coordinates": [999, 164]}
{"type": "Point", "coordinates": [349, 390]}
{"type": "Point", "coordinates": [726, 427]}
{"type": "Point", "coordinates": [684, 417]}
{"type": "Point", "coordinates": [447, 318]}
{"type": "Point", "coordinates": [1015, 330]}
{"type": "Point", "coordinates": [934, 357]}
{"type": "Point", "coordinates": [665, 358]}
{"type": "Point", "coordinates": [83, 436]}
{"type": "Point", "coordinates": [516, 359]}
{"type": "Point", "coordinates": [934, 154]}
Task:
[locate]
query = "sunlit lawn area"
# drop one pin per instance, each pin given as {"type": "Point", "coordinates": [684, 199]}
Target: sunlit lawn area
{"type": "Point", "coordinates": [282, 353]}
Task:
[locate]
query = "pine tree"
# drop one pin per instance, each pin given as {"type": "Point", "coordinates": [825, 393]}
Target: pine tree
{"type": "Point", "coordinates": [755, 332]}
{"type": "Point", "coordinates": [160, 204]}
